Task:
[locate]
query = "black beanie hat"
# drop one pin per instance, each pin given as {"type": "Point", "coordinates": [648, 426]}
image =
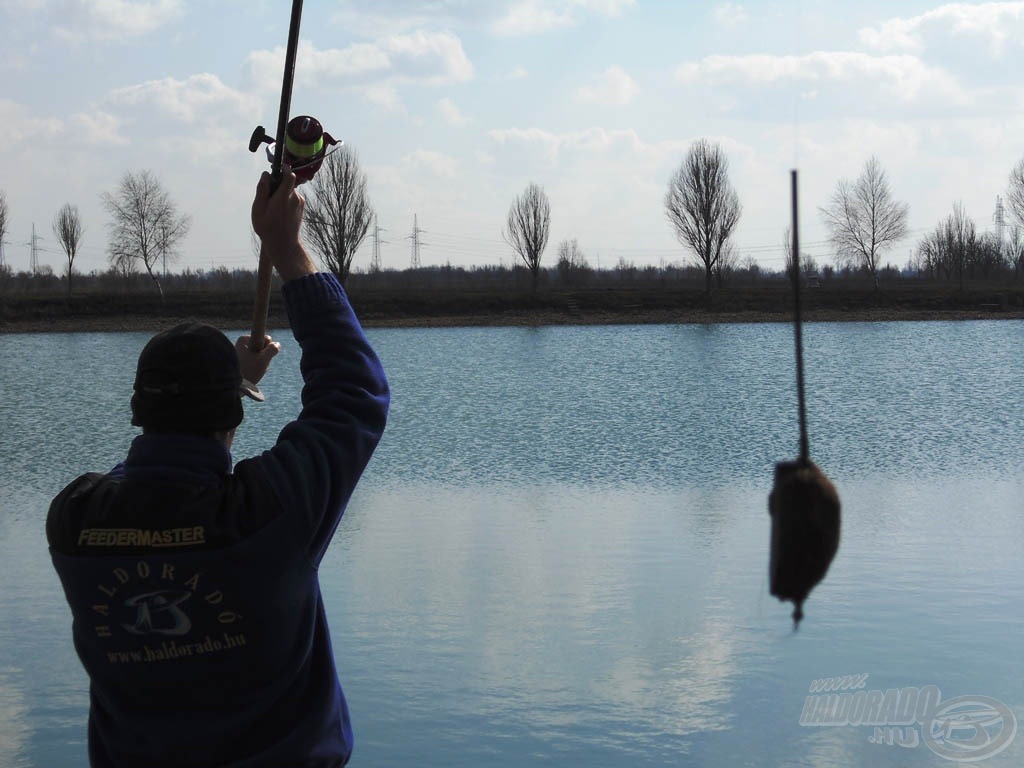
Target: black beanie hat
{"type": "Point", "coordinates": [188, 381]}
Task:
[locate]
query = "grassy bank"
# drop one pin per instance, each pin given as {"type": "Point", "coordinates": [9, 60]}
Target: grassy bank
{"type": "Point", "coordinates": [449, 307]}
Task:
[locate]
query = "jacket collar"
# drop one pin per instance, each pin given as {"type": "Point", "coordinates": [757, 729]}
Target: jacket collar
{"type": "Point", "coordinates": [177, 458]}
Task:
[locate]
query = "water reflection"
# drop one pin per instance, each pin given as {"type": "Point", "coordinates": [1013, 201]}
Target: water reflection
{"type": "Point", "coordinates": [558, 555]}
{"type": "Point", "coordinates": [15, 728]}
{"type": "Point", "coordinates": [552, 612]}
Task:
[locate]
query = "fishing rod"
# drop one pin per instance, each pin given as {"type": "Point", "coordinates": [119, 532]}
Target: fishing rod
{"type": "Point", "coordinates": [266, 267]}
{"type": "Point", "coordinates": [301, 144]}
{"type": "Point", "coordinates": [798, 334]}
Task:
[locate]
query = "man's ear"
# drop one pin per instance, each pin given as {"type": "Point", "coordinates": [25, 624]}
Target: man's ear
{"type": "Point", "coordinates": [227, 437]}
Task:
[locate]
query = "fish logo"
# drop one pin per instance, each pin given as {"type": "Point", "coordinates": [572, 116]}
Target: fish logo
{"type": "Point", "coordinates": [158, 613]}
{"type": "Point", "coordinates": [970, 728]}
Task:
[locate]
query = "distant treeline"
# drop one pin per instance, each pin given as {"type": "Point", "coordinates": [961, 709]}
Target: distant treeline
{"type": "Point", "coordinates": [507, 296]}
{"type": "Point", "coordinates": [986, 269]}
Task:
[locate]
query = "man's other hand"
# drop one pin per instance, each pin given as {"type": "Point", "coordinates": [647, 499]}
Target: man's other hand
{"type": "Point", "coordinates": [255, 364]}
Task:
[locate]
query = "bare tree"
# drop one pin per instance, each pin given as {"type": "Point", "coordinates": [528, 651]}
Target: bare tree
{"type": "Point", "coordinates": [808, 264]}
{"type": "Point", "coordinates": [123, 266]}
{"type": "Point", "coordinates": [338, 211]}
{"type": "Point", "coordinates": [925, 257]}
{"type": "Point", "coordinates": [863, 220]}
{"type": "Point", "coordinates": [67, 226]}
{"type": "Point", "coordinates": [726, 264]}
{"type": "Point", "coordinates": [1015, 195]}
{"type": "Point", "coordinates": [145, 224]}
{"type": "Point", "coordinates": [704, 209]}
{"type": "Point", "coordinates": [961, 237]}
{"type": "Point", "coordinates": [948, 249]}
{"type": "Point", "coordinates": [572, 264]}
{"type": "Point", "coordinates": [1015, 250]}
{"type": "Point", "coordinates": [527, 227]}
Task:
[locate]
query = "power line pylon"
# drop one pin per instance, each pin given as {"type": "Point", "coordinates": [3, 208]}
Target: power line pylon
{"type": "Point", "coordinates": [416, 243]}
{"type": "Point", "coordinates": [375, 262]}
{"type": "Point", "coordinates": [34, 251]}
{"type": "Point", "coordinates": [999, 218]}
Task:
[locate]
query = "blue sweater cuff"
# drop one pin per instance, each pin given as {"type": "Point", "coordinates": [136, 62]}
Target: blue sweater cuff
{"type": "Point", "coordinates": [312, 299]}
{"type": "Point", "coordinates": [316, 290]}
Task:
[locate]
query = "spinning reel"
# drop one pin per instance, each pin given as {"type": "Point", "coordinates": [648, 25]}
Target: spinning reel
{"type": "Point", "coordinates": [305, 146]}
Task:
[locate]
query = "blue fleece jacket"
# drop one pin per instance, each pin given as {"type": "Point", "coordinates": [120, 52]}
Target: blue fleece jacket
{"type": "Point", "coordinates": [194, 590]}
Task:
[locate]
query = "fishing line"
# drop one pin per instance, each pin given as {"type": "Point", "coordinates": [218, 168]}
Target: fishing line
{"type": "Point", "coordinates": [795, 227]}
{"type": "Point", "coordinates": [796, 88]}
{"type": "Point", "coordinates": [803, 503]}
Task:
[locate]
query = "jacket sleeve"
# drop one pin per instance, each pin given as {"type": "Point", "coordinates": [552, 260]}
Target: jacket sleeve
{"type": "Point", "coordinates": [319, 457]}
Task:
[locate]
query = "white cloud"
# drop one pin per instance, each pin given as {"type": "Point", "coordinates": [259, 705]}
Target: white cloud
{"type": "Point", "coordinates": [730, 14]}
{"type": "Point", "coordinates": [110, 19]}
{"type": "Point", "coordinates": [614, 144]}
{"type": "Point", "coordinates": [527, 17]}
{"type": "Point", "coordinates": [199, 119]}
{"type": "Point", "coordinates": [450, 112]}
{"type": "Point", "coordinates": [431, 163]}
{"type": "Point", "coordinates": [995, 23]}
{"type": "Point", "coordinates": [199, 98]}
{"type": "Point", "coordinates": [96, 128]}
{"type": "Point", "coordinates": [609, 8]}
{"type": "Point", "coordinates": [374, 18]}
{"type": "Point", "coordinates": [23, 6]}
{"type": "Point", "coordinates": [614, 88]}
{"type": "Point", "coordinates": [549, 142]}
{"type": "Point", "coordinates": [355, 64]}
{"type": "Point", "coordinates": [383, 95]}
{"type": "Point", "coordinates": [21, 125]}
{"type": "Point", "coordinates": [532, 16]}
{"type": "Point", "coordinates": [417, 53]}
{"type": "Point", "coordinates": [507, 17]}
{"type": "Point", "coordinates": [13, 61]}
{"type": "Point", "coordinates": [433, 58]}
{"type": "Point", "coordinates": [23, 130]}
{"type": "Point", "coordinates": [906, 77]}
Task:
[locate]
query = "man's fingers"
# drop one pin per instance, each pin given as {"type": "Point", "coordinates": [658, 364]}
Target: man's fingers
{"type": "Point", "coordinates": [270, 347]}
{"type": "Point", "coordinates": [244, 344]}
{"type": "Point", "coordinates": [263, 188]}
{"type": "Point", "coordinates": [287, 184]}
{"type": "Point", "coordinates": [259, 203]}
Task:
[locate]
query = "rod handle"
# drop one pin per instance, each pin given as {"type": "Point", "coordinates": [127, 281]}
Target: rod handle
{"type": "Point", "coordinates": [262, 304]}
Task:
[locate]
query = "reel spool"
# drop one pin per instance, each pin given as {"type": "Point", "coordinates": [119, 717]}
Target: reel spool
{"type": "Point", "coordinates": [305, 147]}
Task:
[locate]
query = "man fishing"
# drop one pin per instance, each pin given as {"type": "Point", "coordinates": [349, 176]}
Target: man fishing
{"type": "Point", "coordinates": [194, 587]}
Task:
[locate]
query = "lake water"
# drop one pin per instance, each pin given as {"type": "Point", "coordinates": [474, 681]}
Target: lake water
{"type": "Point", "coordinates": [558, 554]}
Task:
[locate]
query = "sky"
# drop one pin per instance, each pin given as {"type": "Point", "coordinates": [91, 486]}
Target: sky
{"type": "Point", "coordinates": [455, 106]}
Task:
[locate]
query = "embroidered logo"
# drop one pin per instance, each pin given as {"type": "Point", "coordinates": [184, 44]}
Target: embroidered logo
{"type": "Point", "coordinates": [162, 615]}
